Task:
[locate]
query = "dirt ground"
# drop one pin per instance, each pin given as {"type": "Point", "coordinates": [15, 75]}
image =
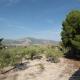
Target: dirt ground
{"type": "Point", "coordinates": [43, 70]}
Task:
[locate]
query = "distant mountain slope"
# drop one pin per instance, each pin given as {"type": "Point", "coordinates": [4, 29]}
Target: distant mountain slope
{"type": "Point", "coordinates": [28, 40]}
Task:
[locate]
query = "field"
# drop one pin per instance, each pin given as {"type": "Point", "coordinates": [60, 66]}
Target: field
{"type": "Point", "coordinates": [36, 63]}
{"type": "Point", "coordinates": [15, 55]}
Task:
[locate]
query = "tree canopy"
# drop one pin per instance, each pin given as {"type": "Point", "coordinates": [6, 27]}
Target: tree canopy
{"type": "Point", "coordinates": [71, 31]}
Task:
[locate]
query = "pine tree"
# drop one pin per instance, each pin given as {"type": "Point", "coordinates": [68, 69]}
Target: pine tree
{"type": "Point", "coordinates": [71, 32]}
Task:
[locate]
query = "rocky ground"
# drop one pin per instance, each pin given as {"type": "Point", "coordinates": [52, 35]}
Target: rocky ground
{"type": "Point", "coordinates": [43, 70]}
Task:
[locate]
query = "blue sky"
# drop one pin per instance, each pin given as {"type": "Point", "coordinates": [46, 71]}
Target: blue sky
{"type": "Point", "coordinates": [34, 18]}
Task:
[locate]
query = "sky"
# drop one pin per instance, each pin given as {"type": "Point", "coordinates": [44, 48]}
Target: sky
{"type": "Point", "coordinates": [34, 18]}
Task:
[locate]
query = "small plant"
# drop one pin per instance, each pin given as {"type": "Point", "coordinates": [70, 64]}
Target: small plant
{"type": "Point", "coordinates": [32, 53]}
{"type": "Point", "coordinates": [52, 56]}
{"type": "Point", "coordinates": [5, 59]}
{"type": "Point", "coordinates": [41, 66]}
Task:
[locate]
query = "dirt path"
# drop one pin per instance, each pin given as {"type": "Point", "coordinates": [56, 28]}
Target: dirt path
{"type": "Point", "coordinates": [43, 70]}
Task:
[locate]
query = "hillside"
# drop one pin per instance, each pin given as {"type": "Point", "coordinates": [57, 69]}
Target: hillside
{"type": "Point", "coordinates": [27, 41]}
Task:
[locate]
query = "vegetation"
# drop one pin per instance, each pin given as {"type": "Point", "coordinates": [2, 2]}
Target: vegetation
{"type": "Point", "coordinates": [52, 55]}
{"type": "Point", "coordinates": [71, 33]}
{"type": "Point", "coordinates": [1, 46]}
{"type": "Point", "coordinates": [13, 56]}
{"type": "Point", "coordinates": [41, 66]}
{"type": "Point", "coordinates": [70, 40]}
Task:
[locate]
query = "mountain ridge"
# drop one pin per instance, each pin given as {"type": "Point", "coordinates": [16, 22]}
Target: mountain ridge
{"type": "Point", "coordinates": [29, 40]}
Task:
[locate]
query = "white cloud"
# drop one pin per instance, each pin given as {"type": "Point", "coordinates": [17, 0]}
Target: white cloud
{"type": "Point", "coordinates": [16, 26]}
{"type": "Point", "coordinates": [9, 2]}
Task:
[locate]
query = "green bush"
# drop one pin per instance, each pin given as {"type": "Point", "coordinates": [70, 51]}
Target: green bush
{"type": "Point", "coordinates": [12, 56]}
{"type": "Point", "coordinates": [53, 55]}
{"type": "Point", "coordinates": [5, 58]}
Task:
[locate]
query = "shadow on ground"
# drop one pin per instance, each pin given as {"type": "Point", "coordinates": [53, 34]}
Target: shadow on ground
{"type": "Point", "coordinates": [71, 55]}
{"type": "Point", "coordinates": [17, 67]}
{"type": "Point", "coordinates": [75, 76]}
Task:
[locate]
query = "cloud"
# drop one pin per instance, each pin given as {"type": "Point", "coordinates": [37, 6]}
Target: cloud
{"type": "Point", "coordinates": [16, 26]}
{"type": "Point", "coordinates": [9, 2]}
{"type": "Point", "coordinates": [12, 2]}
{"type": "Point", "coordinates": [21, 30]}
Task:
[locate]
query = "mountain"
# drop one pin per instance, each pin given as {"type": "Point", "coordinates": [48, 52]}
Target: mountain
{"type": "Point", "coordinates": [28, 41]}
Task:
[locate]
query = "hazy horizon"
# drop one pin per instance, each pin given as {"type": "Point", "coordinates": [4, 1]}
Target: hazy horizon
{"type": "Point", "coordinates": [34, 18]}
{"type": "Point", "coordinates": [29, 37]}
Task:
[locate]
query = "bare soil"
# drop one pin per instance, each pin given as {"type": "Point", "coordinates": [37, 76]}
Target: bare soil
{"type": "Point", "coordinates": [43, 70]}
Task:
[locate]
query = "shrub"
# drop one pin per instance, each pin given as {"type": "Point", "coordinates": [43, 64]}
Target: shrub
{"type": "Point", "coordinates": [5, 59]}
{"type": "Point", "coordinates": [52, 55]}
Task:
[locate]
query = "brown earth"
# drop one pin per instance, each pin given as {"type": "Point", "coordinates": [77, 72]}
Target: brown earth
{"type": "Point", "coordinates": [43, 70]}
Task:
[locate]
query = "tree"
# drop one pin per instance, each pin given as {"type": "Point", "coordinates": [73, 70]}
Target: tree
{"type": "Point", "coordinates": [71, 32]}
{"type": "Point", "coordinates": [1, 46]}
